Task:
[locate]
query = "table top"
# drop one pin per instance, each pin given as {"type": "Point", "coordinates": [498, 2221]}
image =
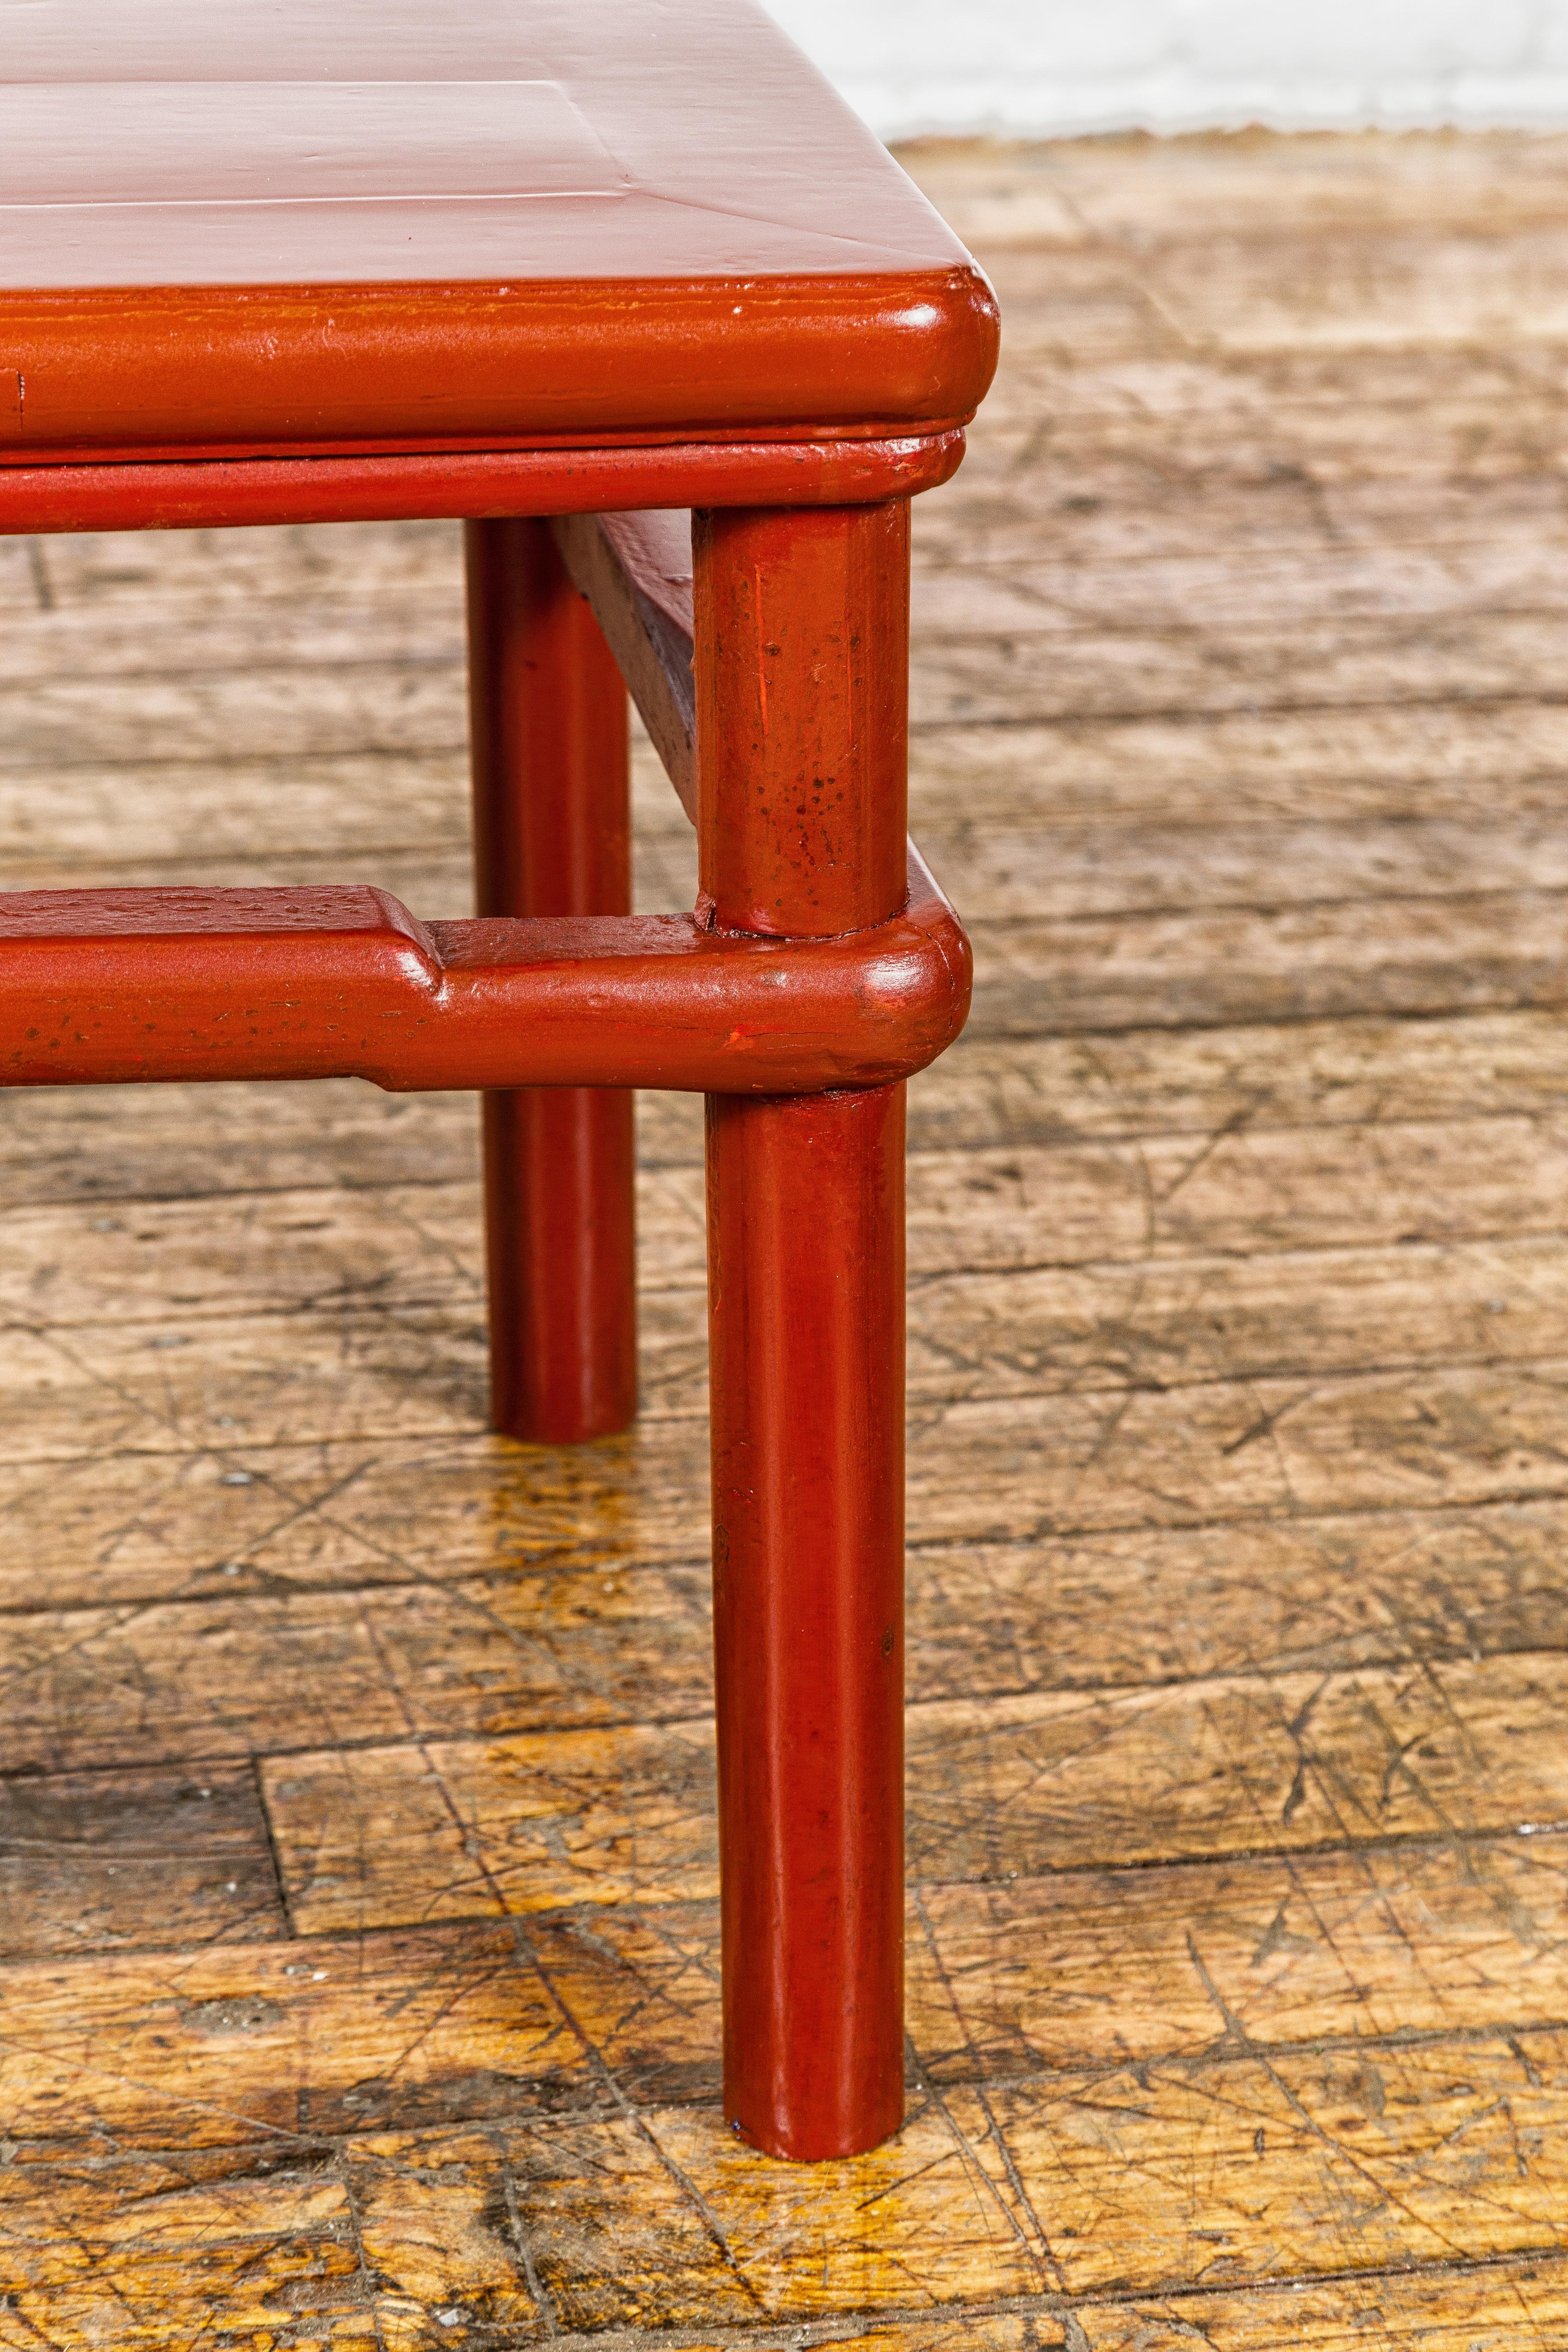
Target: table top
{"type": "Point", "coordinates": [339, 222]}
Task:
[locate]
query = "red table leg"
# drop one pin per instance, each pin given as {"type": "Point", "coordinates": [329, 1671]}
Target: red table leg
{"type": "Point", "coordinates": [551, 836]}
{"type": "Point", "coordinates": [801, 660]}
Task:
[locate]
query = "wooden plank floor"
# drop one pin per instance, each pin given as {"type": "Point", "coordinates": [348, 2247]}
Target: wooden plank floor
{"type": "Point", "coordinates": [356, 1829]}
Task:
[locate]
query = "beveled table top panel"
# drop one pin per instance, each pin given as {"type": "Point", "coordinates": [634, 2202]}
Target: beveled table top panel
{"type": "Point", "coordinates": [337, 222]}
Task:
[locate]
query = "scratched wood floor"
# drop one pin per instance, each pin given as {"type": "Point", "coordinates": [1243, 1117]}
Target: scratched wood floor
{"type": "Point", "coordinates": [356, 1824]}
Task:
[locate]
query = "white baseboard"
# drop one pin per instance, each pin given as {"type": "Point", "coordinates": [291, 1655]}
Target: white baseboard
{"type": "Point", "coordinates": [1058, 66]}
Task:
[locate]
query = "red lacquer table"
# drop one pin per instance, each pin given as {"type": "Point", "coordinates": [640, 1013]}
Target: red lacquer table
{"type": "Point", "coordinates": [565, 268]}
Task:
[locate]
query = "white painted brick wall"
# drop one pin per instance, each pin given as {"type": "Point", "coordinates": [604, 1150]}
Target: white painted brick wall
{"type": "Point", "coordinates": [1051, 65]}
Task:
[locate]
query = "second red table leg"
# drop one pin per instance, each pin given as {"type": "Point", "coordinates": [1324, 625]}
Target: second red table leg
{"type": "Point", "coordinates": [551, 836]}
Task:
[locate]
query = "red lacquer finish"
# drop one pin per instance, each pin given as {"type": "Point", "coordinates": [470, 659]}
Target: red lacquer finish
{"type": "Point", "coordinates": [185, 493]}
{"type": "Point", "coordinates": [105, 987]}
{"type": "Point", "coordinates": [374, 222]}
{"type": "Point", "coordinates": [806, 1302]}
{"type": "Point", "coordinates": [306, 367]}
{"type": "Point", "coordinates": [550, 752]}
{"type": "Point", "coordinates": [802, 716]}
{"type": "Point", "coordinates": [320, 263]}
{"type": "Point", "coordinates": [801, 662]}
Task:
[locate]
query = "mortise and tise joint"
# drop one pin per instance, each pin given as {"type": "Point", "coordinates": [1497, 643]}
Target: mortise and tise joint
{"type": "Point", "coordinates": [110, 986]}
